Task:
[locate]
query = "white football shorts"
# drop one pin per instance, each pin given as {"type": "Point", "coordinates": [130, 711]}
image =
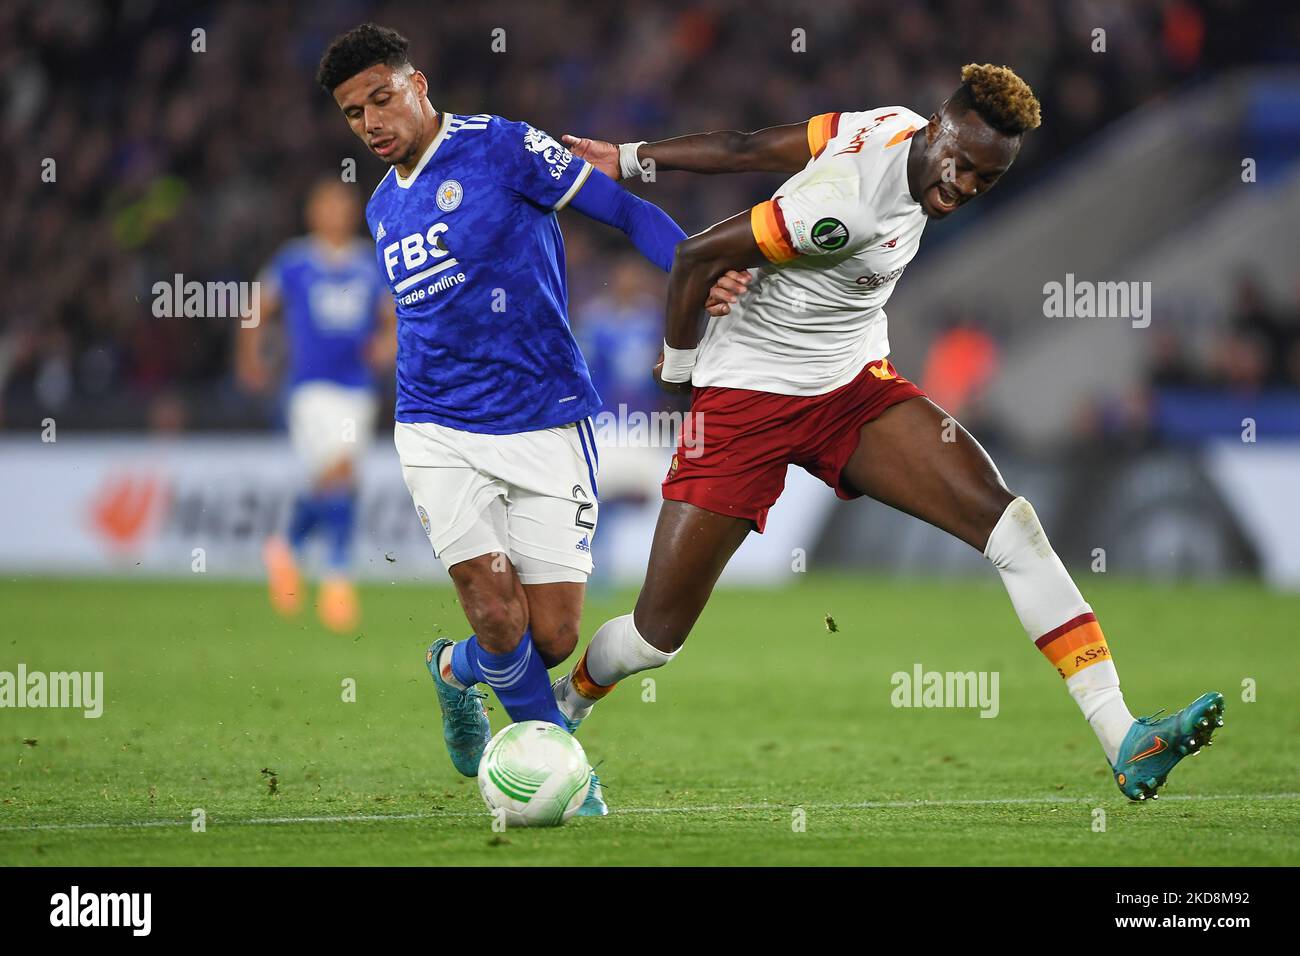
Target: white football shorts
{"type": "Point", "coordinates": [329, 422]}
{"type": "Point", "coordinates": [530, 496]}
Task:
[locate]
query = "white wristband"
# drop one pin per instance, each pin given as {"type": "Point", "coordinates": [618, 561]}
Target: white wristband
{"type": "Point", "coordinates": [628, 164]}
{"type": "Point", "coordinates": [678, 364]}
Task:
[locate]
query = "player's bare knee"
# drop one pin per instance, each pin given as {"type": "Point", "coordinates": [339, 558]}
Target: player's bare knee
{"type": "Point", "coordinates": [494, 605]}
{"type": "Point", "coordinates": [498, 622]}
{"type": "Point", "coordinates": [555, 640]}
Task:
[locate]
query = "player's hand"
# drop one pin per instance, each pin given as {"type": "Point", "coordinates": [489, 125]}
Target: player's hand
{"type": "Point", "coordinates": [381, 352]}
{"type": "Point", "coordinates": [602, 155]}
{"type": "Point", "coordinates": [253, 376]}
{"type": "Point", "coordinates": [728, 288]}
{"type": "Point", "coordinates": [672, 388]}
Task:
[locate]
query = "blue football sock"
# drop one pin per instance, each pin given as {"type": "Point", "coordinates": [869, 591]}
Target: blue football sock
{"type": "Point", "coordinates": [338, 512]}
{"type": "Point", "coordinates": [306, 515]}
{"type": "Point", "coordinates": [519, 679]}
{"type": "Point", "coordinates": [465, 663]}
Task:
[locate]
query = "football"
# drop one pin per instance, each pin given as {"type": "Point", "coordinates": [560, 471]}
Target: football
{"type": "Point", "coordinates": [535, 773]}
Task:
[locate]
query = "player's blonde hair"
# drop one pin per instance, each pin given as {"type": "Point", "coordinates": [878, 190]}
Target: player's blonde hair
{"type": "Point", "coordinates": [1004, 100]}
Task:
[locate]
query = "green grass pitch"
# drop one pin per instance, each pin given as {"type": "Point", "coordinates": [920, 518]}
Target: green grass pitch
{"type": "Point", "coordinates": [765, 720]}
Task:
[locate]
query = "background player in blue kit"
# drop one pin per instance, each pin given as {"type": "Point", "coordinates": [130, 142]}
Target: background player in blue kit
{"type": "Point", "coordinates": [621, 332]}
{"type": "Point", "coordinates": [338, 321]}
{"type": "Point", "coordinates": [493, 396]}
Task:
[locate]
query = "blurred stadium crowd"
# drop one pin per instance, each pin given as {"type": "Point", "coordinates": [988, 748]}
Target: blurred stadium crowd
{"type": "Point", "coordinates": [173, 161]}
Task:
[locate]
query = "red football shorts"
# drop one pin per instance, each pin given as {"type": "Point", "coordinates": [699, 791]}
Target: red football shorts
{"type": "Point", "coordinates": [737, 443]}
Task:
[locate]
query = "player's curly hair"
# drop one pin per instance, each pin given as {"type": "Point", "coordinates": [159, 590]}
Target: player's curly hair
{"type": "Point", "coordinates": [1001, 98]}
{"type": "Point", "coordinates": [359, 48]}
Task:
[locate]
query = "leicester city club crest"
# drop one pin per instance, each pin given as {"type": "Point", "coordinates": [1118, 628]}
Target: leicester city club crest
{"type": "Point", "coordinates": [450, 194]}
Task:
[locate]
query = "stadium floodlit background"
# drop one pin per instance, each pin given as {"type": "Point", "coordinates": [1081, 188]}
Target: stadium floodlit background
{"type": "Point", "coordinates": [1157, 447]}
{"type": "Point", "coordinates": [171, 161]}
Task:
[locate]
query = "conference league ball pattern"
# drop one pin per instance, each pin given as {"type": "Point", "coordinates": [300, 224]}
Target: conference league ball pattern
{"type": "Point", "coordinates": [536, 772]}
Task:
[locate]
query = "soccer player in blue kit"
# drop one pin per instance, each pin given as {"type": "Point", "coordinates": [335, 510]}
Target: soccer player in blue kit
{"type": "Point", "coordinates": [493, 396]}
{"type": "Point", "coordinates": [338, 320]}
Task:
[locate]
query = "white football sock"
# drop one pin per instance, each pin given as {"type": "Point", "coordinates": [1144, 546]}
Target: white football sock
{"type": "Point", "coordinates": [1059, 621]}
{"type": "Point", "coordinates": [444, 668]}
{"type": "Point", "coordinates": [616, 651]}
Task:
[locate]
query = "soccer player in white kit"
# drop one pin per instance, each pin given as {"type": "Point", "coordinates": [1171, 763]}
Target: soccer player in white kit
{"type": "Point", "coordinates": [798, 373]}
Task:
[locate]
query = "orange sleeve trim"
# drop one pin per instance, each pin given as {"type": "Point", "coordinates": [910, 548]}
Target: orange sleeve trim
{"type": "Point", "coordinates": [901, 137]}
{"type": "Point", "coordinates": [821, 130]}
{"type": "Point", "coordinates": [770, 232]}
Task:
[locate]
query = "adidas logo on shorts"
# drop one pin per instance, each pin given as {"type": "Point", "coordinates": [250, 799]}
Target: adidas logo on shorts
{"type": "Point", "coordinates": [585, 544]}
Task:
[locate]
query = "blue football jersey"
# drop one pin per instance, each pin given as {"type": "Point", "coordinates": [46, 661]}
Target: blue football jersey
{"type": "Point", "coordinates": [329, 302]}
{"type": "Point", "coordinates": [472, 251]}
{"type": "Point", "coordinates": [623, 340]}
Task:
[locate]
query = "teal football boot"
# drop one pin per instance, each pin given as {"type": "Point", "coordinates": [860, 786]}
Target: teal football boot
{"type": "Point", "coordinates": [559, 687]}
{"type": "Point", "coordinates": [465, 727]}
{"type": "Point", "coordinates": [594, 805]}
{"type": "Point", "coordinates": [1154, 746]}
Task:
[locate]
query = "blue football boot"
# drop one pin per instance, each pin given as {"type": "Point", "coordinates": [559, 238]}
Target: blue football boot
{"type": "Point", "coordinates": [1154, 746]}
{"type": "Point", "coordinates": [465, 727]}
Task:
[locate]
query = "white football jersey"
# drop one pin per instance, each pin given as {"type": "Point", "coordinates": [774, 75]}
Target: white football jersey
{"type": "Point", "coordinates": [838, 234]}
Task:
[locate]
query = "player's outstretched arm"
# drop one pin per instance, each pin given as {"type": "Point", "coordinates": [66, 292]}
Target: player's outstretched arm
{"type": "Point", "coordinates": [777, 149]}
{"type": "Point", "coordinates": [729, 247]}
{"type": "Point", "coordinates": [651, 230]}
{"type": "Point", "coordinates": [251, 368]}
{"type": "Point", "coordinates": [381, 350]}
